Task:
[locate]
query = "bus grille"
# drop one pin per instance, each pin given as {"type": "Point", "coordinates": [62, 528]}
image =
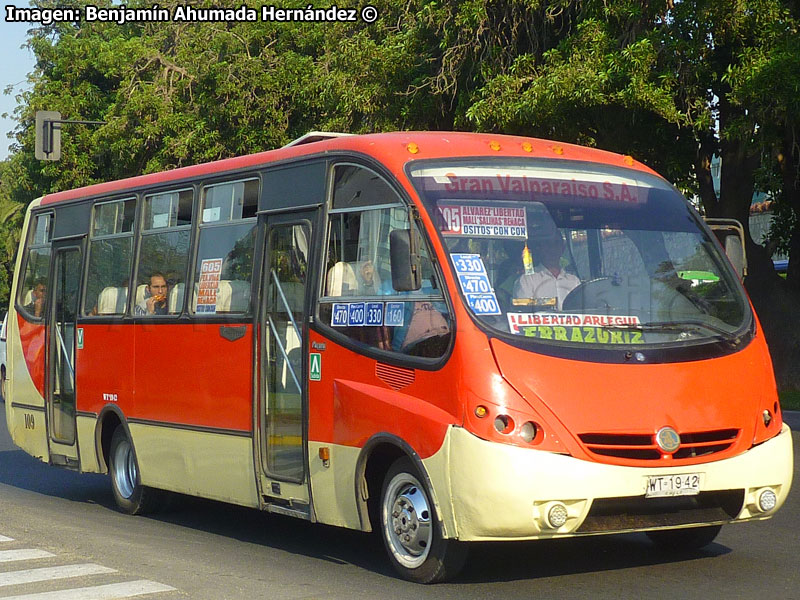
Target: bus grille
{"type": "Point", "coordinates": [395, 377]}
{"type": "Point", "coordinates": [643, 446]}
{"type": "Point", "coordinates": [638, 512]}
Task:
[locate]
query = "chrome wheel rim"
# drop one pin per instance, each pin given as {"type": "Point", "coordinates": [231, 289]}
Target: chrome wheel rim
{"type": "Point", "coordinates": [407, 523]}
{"type": "Point", "coordinates": [124, 470]}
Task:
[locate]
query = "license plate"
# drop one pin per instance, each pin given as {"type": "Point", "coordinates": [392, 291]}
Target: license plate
{"type": "Point", "coordinates": [659, 486]}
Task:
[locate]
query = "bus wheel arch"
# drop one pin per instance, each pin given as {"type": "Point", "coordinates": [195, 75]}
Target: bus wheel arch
{"type": "Point", "coordinates": [108, 420]}
{"type": "Point", "coordinates": [386, 468]}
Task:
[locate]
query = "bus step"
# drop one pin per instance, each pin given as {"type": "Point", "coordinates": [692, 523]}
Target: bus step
{"type": "Point", "coordinates": [300, 511]}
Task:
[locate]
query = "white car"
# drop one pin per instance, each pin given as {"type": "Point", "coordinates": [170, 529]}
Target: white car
{"type": "Point", "coordinates": [3, 358]}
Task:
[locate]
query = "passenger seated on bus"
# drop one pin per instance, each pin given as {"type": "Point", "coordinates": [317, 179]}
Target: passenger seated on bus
{"type": "Point", "coordinates": [549, 283]}
{"type": "Point", "coordinates": [38, 296]}
{"type": "Point", "coordinates": [155, 301]}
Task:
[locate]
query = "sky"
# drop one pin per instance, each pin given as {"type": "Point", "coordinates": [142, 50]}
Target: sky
{"type": "Point", "coordinates": [15, 64]}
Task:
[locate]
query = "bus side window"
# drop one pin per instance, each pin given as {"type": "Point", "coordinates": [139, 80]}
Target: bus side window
{"type": "Point", "coordinates": [224, 269]}
{"type": "Point", "coordinates": [358, 298]}
{"type": "Point", "coordinates": [164, 252]}
{"type": "Point", "coordinates": [33, 289]}
{"type": "Point", "coordinates": [110, 252]}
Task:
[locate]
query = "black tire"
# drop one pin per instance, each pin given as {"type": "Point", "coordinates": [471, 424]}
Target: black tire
{"type": "Point", "coordinates": [130, 495]}
{"type": "Point", "coordinates": [684, 540]}
{"type": "Point", "coordinates": [411, 531]}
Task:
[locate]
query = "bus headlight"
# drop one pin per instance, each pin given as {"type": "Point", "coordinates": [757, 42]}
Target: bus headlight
{"type": "Point", "coordinates": [503, 424]}
{"type": "Point", "coordinates": [528, 431]}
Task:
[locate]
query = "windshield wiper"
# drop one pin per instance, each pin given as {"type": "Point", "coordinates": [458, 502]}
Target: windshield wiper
{"type": "Point", "coordinates": [675, 325]}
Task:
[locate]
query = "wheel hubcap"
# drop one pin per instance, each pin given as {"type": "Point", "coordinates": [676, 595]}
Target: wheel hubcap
{"type": "Point", "coordinates": [407, 521]}
{"type": "Point", "coordinates": [124, 469]}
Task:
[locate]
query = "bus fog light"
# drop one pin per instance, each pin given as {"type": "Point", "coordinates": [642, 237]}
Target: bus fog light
{"type": "Point", "coordinates": [767, 500]}
{"type": "Point", "coordinates": [528, 431]}
{"type": "Point", "coordinates": [557, 515]}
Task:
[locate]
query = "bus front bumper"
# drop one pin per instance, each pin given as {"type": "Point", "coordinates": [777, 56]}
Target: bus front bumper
{"type": "Point", "coordinates": [503, 492]}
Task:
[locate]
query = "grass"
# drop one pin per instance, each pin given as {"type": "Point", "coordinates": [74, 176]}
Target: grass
{"type": "Point", "coordinates": [790, 400]}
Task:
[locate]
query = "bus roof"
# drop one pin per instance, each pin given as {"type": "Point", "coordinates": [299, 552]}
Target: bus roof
{"type": "Point", "coordinates": [392, 149]}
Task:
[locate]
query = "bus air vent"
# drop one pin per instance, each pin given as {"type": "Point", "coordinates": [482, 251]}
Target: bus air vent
{"type": "Point", "coordinates": [395, 377]}
{"type": "Point", "coordinates": [637, 512]}
{"type": "Point", "coordinates": [644, 447]}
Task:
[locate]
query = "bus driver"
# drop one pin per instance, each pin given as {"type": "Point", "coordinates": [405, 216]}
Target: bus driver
{"type": "Point", "coordinates": [549, 283]}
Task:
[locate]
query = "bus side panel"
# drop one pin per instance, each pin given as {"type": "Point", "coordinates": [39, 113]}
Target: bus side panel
{"type": "Point", "coordinates": [32, 339]}
{"type": "Point", "coordinates": [191, 375]}
{"type": "Point", "coordinates": [25, 407]}
{"type": "Point", "coordinates": [104, 375]}
{"type": "Point", "coordinates": [192, 417]}
{"type": "Point", "coordinates": [362, 410]}
{"type": "Point", "coordinates": [212, 465]}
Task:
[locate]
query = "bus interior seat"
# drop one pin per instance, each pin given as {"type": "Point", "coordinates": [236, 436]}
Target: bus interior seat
{"type": "Point", "coordinates": [112, 301]}
{"type": "Point", "coordinates": [141, 290]}
{"type": "Point", "coordinates": [175, 301]}
{"type": "Point", "coordinates": [233, 295]}
{"type": "Point", "coordinates": [342, 280]}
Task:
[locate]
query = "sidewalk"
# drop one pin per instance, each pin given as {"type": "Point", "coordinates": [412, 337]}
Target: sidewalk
{"type": "Point", "coordinates": [792, 419]}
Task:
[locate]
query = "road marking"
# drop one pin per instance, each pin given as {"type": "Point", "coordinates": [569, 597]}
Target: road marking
{"type": "Point", "coordinates": [51, 573]}
{"type": "Point", "coordinates": [6, 539]}
{"type": "Point", "coordinates": [100, 592]}
{"type": "Point", "coordinates": [22, 554]}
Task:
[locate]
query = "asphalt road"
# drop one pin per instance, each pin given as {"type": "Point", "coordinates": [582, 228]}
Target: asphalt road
{"type": "Point", "coordinates": [212, 551]}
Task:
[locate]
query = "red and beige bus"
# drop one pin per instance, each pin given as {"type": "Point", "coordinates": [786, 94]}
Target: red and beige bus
{"type": "Point", "coordinates": [443, 337]}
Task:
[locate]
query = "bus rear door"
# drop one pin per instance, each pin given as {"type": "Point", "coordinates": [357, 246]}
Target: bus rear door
{"type": "Point", "coordinates": [63, 340]}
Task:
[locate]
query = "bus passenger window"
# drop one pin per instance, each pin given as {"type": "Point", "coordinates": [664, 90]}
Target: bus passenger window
{"type": "Point", "coordinates": [358, 298]}
{"type": "Point", "coordinates": [164, 253]}
{"type": "Point", "coordinates": [110, 252]}
{"type": "Point", "coordinates": [225, 248]}
{"type": "Point", "coordinates": [33, 290]}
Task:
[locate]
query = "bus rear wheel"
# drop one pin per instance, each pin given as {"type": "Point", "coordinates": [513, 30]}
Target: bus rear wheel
{"type": "Point", "coordinates": [683, 540]}
{"type": "Point", "coordinates": [130, 495]}
{"type": "Point", "coordinates": [411, 531]}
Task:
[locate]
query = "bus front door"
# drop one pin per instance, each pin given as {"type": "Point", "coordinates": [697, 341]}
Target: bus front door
{"type": "Point", "coordinates": [283, 406]}
{"type": "Point", "coordinates": [61, 353]}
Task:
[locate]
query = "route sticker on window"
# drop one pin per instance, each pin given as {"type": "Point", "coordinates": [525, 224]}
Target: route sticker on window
{"type": "Point", "coordinates": [578, 328]}
{"type": "Point", "coordinates": [394, 313]}
{"type": "Point", "coordinates": [356, 314]}
{"type": "Point", "coordinates": [475, 284]}
{"type": "Point", "coordinates": [210, 273]}
{"type": "Point", "coordinates": [339, 315]}
{"type": "Point", "coordinates": [374, 316]}
{"type": "Point", "coordinates": [491, 221]}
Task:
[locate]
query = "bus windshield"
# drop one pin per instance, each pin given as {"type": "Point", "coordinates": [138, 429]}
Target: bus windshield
{"type": "Point", "coordinates": [580, 254]}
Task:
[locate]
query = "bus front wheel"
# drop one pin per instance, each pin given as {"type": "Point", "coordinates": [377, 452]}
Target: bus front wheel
{"type": "Point", "coordinates": [129, 494]}
{"type": "Point", "coordinates": [683, 540]}
{"type": "Point", "coordinates": [412, 533]}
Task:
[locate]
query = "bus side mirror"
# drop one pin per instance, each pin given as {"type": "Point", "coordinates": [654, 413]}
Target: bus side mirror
{"type": "Point", "coordinates": [405, 261]}
{"type": "Point", "coordinates": [730, 234]}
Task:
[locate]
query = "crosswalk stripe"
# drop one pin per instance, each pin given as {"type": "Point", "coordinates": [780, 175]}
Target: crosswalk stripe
{"type": "Point", "coordinates": [111, 591]}
{"type": "Point", "coordinates": [22, 554]}
{"type": "Point", "coordinates": [51, 573]}
{"type": "Point", "coordinates": [6, 539]}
